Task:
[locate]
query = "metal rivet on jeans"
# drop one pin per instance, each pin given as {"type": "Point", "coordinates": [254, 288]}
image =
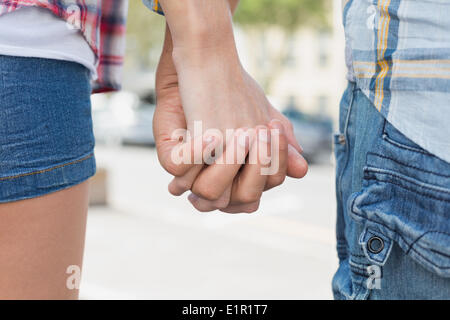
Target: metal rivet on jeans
{"type": "Point", "coordinates": [375, 244]}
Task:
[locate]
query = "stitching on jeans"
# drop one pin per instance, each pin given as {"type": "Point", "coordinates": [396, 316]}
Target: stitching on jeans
{"type": "Point", "coordinates": [440, 253]}
{"type": "Point", "coordinates": [47, 170]}
{"type": "Point", "coordinates": [400, 145]}
{"type": "Point", "coordinates": [398, 234]}
{"type": "Point", "coordinates": [406, 178]}
{"type": "Point", "coordinates": [425, 233]}
{"type": "Point", "coordinates": [361, 286]}
{"type": "Point", "coordinates": [409, 189]}
{"type": "Point", "coordinates": [361, 275]}
{"type": "Point", "coordinates": [359, 256]}
{"type": "Point", "coordinates": [400, 176]}
{"type": "Point", "coordinates": [340, 175]}
{"type": "Point", "coordinates": [357, 266]}
{"type": "Point", "coordinates": [407, 165]}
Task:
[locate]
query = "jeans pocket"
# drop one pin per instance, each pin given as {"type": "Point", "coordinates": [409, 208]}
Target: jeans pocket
{"type": "Point", "coordinates": [397, 139]}
{"type": "Point", "coordinates": [406, 198]}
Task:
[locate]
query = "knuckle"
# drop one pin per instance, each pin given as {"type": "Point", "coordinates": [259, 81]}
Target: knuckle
{"type": "Point", "coordinates": [249, 197]}
{"type": "Point", "coordinates": [290, 125]}
{"type": "Point", "coordinates": [275, 181]}
{"type": "Point", "coordinates": [222, 204]}
{"type": "Point", "coordinates": [283, 145]}
{"type": "Point", "coordinates": [183, 184]}
{"type": "Point", "coordinates": [278, 180]}
{"type": "Point", "coordinates": [174, 169]}
{"type": "Point", "coordinates": [206, 192]}
{"type": "Point", "coordinates": [287, 124]}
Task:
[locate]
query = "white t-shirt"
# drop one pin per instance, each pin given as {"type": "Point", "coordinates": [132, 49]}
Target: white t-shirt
{"type": "Point", "coordinates": [36, 32]}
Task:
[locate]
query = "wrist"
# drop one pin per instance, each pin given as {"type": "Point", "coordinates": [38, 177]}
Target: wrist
{"type": "Point", "coordinates": [206, 56]}
{"type": "Point", "coordinates": [207, 63]}
{"type": "Point", "coordinates": [203, 34]}
{"type": "Point", "coordinates": [199, 24]}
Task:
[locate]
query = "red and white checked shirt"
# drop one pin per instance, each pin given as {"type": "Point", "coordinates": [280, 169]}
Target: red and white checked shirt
{"type": "Point", "coordinates": [103, 25]}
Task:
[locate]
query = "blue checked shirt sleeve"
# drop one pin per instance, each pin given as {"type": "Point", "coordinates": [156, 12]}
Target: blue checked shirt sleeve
{"type": "Point", "coordinates": [154, 6]}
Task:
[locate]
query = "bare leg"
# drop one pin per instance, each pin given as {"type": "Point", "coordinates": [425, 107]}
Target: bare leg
{"type": "Point", "coordinates": [39, 239]}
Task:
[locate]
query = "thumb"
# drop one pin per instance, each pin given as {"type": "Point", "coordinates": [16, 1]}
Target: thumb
{"type": "Point", "coordinates": [289, 129]}
{"type": "Point", "coordinates": [169, 130]}
{"type": "Point", "coordinates": [168, 118]}
{"type": "Point", "coordinates": [297, 167]}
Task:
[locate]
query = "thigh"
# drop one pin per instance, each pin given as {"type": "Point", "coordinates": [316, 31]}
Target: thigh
{"type": "Point", "coordinates": [46, 157]}
{"type": "Point", "coordinates": [39, 239]}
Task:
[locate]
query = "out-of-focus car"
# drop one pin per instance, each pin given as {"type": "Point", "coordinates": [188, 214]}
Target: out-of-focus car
{"type": "Point", "coordinates": [140, 132]}
{"type": "Point", "coordinates": [123, 118]}
{"type": "Point", "coordinates": [314, 133]}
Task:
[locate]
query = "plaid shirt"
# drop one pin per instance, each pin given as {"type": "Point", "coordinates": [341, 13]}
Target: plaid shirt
{"type": "Point", "coordinates": [153, 5]}
{"type": "Point", "coordinates": [102, 23]}
{"type": "Point", "coordinates": [398, 53]}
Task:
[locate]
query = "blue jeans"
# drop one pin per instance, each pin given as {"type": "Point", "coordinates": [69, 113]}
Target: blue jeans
{"type": "Point", "coordinates": [393, 210]}
{"type": "Point", "coordinates": [46, 136]}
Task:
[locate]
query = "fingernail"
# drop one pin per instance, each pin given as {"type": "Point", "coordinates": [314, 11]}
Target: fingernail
{"type": "Point", "coordinates": [298, 148]}
{"type": "Point", "coordinates": [301, 148]}
{"type": "Point", "coordinates": [192, 197]}
{"type": "Point", "coordinates": [294, 150]}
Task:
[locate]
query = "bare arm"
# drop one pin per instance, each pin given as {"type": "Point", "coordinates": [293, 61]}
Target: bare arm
{"type": "Point", "coordinates": [200, 79]}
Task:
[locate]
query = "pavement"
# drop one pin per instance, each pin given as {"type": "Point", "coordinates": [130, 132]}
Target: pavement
{"type": "Point", "coordinates": [147, 244]}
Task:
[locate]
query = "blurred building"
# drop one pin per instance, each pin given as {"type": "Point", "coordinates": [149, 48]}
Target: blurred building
{"type": "Point", "coordinates": [305, 69]}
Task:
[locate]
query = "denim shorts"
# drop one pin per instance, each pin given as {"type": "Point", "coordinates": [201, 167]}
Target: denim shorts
{"type": "Point", "coordinates": [393, 213]}
{"type": "Point", "coordinates": [46, 136]}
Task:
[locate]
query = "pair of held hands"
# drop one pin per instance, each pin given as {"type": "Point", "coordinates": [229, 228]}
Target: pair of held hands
{"type": "Point", "coordinates": [212, 87]}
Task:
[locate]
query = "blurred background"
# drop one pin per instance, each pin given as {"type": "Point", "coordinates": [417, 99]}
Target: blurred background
{"type": "Point", "coordinates": [143, 243]}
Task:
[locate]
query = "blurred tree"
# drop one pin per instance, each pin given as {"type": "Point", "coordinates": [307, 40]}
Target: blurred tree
{"type": "Point", "coordinates": [145, 35]}
{"type": "Point", "coordinates": [145, 30]}
{"type": "Point", "coordinates": [258, 17]}
{"type": "Point", "coordinates": [287, 14]}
